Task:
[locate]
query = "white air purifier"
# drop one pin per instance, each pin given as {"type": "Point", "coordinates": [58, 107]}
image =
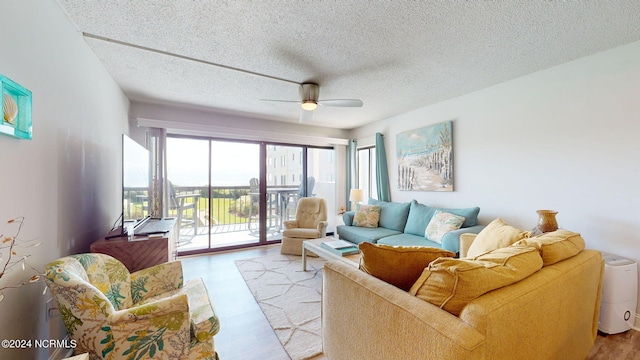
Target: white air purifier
{"type": "Point", "coordinates": [619, 294]}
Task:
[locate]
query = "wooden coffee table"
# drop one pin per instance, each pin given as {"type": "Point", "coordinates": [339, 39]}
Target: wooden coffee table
{"type": "Point", "coordinates": [314, 247]}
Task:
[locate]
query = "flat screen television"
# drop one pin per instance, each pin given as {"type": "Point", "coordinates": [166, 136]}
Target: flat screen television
{"type": "Point", "coordinates": [136, 184]}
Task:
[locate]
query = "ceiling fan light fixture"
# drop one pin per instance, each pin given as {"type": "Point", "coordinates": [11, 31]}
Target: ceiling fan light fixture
{"type": "Point", "coordinates": [309, 105]}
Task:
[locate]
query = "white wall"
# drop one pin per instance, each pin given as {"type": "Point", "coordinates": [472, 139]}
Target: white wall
{"type": "Point", "coordinates": [201, 122]}
{"type": "Point", "coordinates": [565, 138]}
{"type": "Point", "coordinates": [66, 181]}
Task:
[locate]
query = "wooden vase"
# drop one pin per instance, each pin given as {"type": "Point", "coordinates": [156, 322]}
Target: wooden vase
{"type": "Point", "coordinates": [546, 221]}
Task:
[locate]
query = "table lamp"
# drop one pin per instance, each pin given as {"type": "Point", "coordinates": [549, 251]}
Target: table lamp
{"type": "Point", "coordinates": [356, 196]}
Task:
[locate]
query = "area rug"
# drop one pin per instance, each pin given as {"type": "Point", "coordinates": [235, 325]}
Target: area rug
{"type": "Point", "coordinates": [290, 299]}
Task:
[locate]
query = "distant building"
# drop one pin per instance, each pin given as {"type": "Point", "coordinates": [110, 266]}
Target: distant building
{"type": "Point", "coordinates": [284, 165]}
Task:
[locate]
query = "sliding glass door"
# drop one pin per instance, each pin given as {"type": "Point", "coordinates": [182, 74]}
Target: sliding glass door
{"type": "Point", "coordinates": [321, 171]}
{"type": "Point", "coordinates": [230, 194]}
{"type": "Point", "coordinates": [284, 178]}
{"type": "Point", "coordinates": [235, 194]}
{"type": "Point", "coordinates": [187, 190]}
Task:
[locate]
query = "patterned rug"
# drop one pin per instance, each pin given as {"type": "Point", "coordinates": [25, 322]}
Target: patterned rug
{"type": "Point", "coordinates": [290, 299]}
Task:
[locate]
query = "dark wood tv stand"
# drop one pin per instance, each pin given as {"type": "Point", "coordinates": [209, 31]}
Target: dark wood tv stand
{"type": "Point", "coordinates": [141, 252]}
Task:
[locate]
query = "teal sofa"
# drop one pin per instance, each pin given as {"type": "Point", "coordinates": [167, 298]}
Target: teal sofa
{"type": "Point", "coordinates": [405, 223]}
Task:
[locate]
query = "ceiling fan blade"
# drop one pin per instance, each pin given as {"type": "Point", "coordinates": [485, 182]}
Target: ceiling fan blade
{"type": "Point", "coordinates": [341, 102]}
{"type": "Point", "coordinates": [305, 117]}
{"type": "Point", "coordinates": [287, 101]}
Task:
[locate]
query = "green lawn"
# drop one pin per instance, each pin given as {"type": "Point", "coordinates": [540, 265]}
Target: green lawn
{"type": "Point", "coordinates": [220, 211]}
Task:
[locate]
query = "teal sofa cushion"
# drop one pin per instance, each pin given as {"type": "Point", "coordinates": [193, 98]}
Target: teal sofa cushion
{"type": "Point", "coordinates": [357, 234]}
{"type": "Point", "coordinates": [418, 219]}
{"type": "Point", "coordinates": [392, 215]}
{"type": "Point", "coordinates": [408, 240]}
{"type": "Point", "coordinates": [450, 241]}
{"type": "Point", "coordinates": [420, 215]}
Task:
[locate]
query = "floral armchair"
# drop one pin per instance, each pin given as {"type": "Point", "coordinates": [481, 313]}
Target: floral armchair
{"type": "Point", "coordinates": [148, 314]}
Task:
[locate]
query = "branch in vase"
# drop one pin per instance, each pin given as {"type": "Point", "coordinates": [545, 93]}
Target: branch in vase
{"type": "Point", "coordinates": [14, 257]}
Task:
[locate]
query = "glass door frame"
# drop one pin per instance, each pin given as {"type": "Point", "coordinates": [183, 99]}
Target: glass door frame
{"type": "Point", "coordinates": [262, 238]}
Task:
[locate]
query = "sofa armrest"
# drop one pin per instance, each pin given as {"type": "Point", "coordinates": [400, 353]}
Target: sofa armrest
{"type": "Point", "coordinates": [366, 318]}
{"type": "Point", "coordinates": [348, 217]}
{"type": "Point", "coordinates": [465, 243]}
{"type": "Point", "coordinates": [557, 306]}
{"type": "Point", "coordinates": [451, 240]}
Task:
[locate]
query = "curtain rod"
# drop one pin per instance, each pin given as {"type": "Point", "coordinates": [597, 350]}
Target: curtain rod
{"type": "Point", "coordinates": [145, 48]}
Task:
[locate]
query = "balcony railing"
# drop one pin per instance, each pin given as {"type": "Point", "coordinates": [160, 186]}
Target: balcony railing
{"type": "Point", "coordinates": [231, 205]}
{"type": "Point", "coordinates": [231, 209]}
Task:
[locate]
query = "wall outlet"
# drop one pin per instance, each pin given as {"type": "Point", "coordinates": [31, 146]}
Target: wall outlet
{"type": "Point", "coordinates": [48, 307]}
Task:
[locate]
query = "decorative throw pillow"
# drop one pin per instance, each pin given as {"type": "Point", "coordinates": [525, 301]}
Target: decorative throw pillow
{"type": "Point", "coordinates": [496, 235]}
{"type": "Point", "coordinates": [399, 266]}
{"type": "Point", "coordinates": [366, 216]}
{"type": "Point", "coordinates": [555, 246]}
{"type": "Point", "coordinates": [452, 283]}
{"type": "Point", "coordinates": [440, 224]}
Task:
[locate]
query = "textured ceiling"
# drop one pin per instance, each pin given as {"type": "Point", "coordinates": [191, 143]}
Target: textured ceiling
{"type": "Point", "coordinates": [395, 56]}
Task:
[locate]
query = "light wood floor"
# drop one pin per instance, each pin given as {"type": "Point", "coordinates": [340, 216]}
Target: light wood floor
{"type": "Point", "coordinates": [623, 346]}
{"type": "Point", "coordinates": [246, 334]}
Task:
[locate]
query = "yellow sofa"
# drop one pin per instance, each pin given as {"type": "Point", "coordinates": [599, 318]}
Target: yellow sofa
{"type": "Point", "coordinates": [551, 314]}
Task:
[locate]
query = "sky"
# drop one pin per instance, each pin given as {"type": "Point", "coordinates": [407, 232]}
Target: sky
{"type": "Point", "coordinates": [234, 163]}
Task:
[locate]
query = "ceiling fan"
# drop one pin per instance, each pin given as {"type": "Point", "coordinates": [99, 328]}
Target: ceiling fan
{"type": "Point", "coordinates": [309, 101]}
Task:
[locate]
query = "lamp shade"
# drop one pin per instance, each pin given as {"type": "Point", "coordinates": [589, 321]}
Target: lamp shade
{"type": "Point", "coordinates": [356, 195]}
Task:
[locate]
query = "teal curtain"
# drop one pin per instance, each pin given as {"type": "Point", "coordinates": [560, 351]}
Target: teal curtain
{"type": "Point", "coordinates": [351, 169]}
{"type": "Point", "coordinates": [382, 173]}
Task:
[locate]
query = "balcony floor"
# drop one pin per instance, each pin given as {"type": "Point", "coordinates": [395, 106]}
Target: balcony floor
{"type": "Point", "coordinates": [221, 236]}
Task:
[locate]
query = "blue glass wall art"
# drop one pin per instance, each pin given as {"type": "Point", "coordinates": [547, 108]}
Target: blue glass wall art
{"type": "Point", "coordinates": [16, 109]}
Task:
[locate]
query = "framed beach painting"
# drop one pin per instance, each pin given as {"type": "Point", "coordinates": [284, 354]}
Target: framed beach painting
{"type": "Point", "coordinates": [425, 158]}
